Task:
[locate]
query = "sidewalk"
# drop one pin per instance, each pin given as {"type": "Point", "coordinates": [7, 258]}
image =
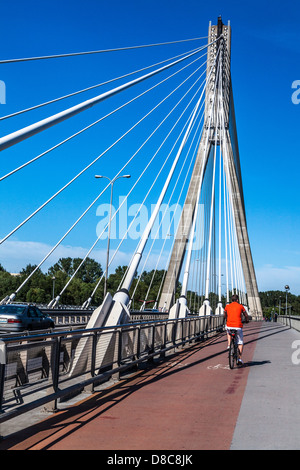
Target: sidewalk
{"type": "Point", "coordinates": [190, 401]}
{"type": "Point", "coordinates": [269, 417]}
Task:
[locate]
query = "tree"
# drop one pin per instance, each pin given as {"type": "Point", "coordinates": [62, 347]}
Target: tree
{"type": "Point", "coordinates": [36, 295]}
{"type": "Point", "coordinates": [64, 265]}
{"type": "Point", "coordinates": [39, 287]}
{"type": "Point", "coordinates": [272, 299]}
{"type": "Point", "coordinates": [90, 271]}
{"type": "Point", "coordinates": [37, 280]}
{"type": "Point", "coordinates": [8, 284]}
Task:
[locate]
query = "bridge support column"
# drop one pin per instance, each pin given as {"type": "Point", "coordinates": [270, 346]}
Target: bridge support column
{"type": "Point", "coordinates": [110, 313]}
{"type": "Point", "coordinates": [179, 309]}
{"type": "Point", "coordinates": [220, 50]}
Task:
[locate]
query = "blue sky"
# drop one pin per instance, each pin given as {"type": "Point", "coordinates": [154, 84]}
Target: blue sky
{"type": "Point", "coordinates": [265, 62]}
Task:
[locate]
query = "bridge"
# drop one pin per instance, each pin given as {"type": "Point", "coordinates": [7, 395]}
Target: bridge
{"type": "Point", "coordinates": [183, 158]}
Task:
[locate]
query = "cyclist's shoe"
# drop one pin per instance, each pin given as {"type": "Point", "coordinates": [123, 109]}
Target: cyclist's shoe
{"type": "Point", "coordinates": [240, 362]}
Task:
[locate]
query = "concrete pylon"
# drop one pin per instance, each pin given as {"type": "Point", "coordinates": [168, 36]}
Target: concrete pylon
{"type": "Point", "coordinates": [221, 50]}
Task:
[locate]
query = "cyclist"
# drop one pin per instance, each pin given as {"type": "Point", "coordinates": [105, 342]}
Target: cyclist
{"type": "Point", "coordinates": [233, 316]}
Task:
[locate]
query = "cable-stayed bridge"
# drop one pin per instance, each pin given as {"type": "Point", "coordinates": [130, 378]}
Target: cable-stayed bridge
{"type": "Point", "coordinates": [182, 156]}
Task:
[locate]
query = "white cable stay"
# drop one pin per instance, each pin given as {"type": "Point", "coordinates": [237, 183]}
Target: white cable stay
{"type": "Point", "coordinates": [12, 296]}
{"type": "Point", "coordinates": [164, 163]}
{"type": "Point", "coordinates": [198, 254]}
{"type": "Point", "coordinates": [210, 264]}
{"type": "Point", "coordinates": [222, 195]}
{"type": "Point", "coordinates": [186, 273]}
{"type": "Point", "coordinates": [225, 234]}
{"type": "Point", "coordinates": [237, 278]}
{"type": "Point", "coordinates": [172, 218]}
{"type": "Point", "coordinates": [192, 229]}
{"type": "Point", "coordinates": [231, 230]}
{"type": "Point", "coordinates": [163, 218]}
{"type": "Point", "coordinates": [87, 302]}
{"type": "Point", "coordinates": [227, 223]}
{"type": "Point", "coordinates": [123, 294]}
{"type": "Point", "coordinates": [84, 90]}
{"type": "Point", "coordinates": [100, 51]}
{"type": "Point", "coordinates": [237, 281]}
{"type": "Point", "coordinates": [103, 118]}
{"type": "Point", "coordinates": [194, 278]}
{"type": "Point", "coordinates": [137, 254]}
{"type": "Point", "coordinates": [220, 230]}
{"type": "Point", "coordinates": [54, 302]}
{"type": "Point", "coordinates": [207, 282]}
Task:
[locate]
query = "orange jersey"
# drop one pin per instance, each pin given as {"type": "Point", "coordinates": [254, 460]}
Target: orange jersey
{"type": "Point", "coordinates": [234, 315]}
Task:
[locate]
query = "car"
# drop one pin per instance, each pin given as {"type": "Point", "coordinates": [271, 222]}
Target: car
{"type": "Point", "coordinates": [18, 317]}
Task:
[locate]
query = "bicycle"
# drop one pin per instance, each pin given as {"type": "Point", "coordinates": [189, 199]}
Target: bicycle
{"type": "Point", "coordinates": [233, 349]}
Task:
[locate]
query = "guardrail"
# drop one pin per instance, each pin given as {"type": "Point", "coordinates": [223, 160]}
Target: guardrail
{"type": "Point", "coordinates": [68, 316]}
{"type": "Point", "coordinates": [291, 321]}
{"type": "Point", "coordinates": [77, 316]}
{"type": "Point", "coordinates": [40, 369]}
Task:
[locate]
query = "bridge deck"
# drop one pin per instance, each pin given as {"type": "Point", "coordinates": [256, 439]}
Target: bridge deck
{"type": "Point", "coordinates": [191, 401]}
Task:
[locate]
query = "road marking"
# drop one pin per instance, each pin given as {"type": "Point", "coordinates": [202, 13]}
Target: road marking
{"type": "Point", "coordinates": [218, 366]}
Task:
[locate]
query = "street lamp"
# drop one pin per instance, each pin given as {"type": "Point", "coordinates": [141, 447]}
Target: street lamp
{"type": "Point", "coordinates": [175, 267]}
{"type": "Point", "coordinates": [53, 286]}
{"type": "Point", "coordinates": [279, 304]}
{"type": "Point", "coordinates": [112, 181]}
{"type": "Point", "coordinates": [287, 288]}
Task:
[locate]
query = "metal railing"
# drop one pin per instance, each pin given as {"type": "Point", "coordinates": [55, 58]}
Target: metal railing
{"type": "Point", "coordinates": [40, 369]}
{"type": "Point", "coordinates": [291, 321]}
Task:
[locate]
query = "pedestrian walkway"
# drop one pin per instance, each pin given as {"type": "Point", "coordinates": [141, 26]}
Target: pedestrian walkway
{"type": "Point", "coordinates": [269, 417]}
{"type": "Point", "coordinates": [189, 401]}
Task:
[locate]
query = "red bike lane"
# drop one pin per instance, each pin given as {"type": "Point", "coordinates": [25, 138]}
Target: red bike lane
{"type": "Point", "coordinates": [189, 401]}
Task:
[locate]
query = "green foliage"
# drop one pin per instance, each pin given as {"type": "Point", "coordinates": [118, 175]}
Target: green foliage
{"type": "Point", "coordinates": [89, 272]}
{"type": "Point", "coordinates": [40, 286]}
{"type": "Point", "coordinates": [272, 300]}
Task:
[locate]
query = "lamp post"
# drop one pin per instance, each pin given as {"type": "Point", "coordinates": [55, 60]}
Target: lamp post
{"type": "Point", "coordinates": [112, 181]}
{"type": "Point", "coordinates": [279, 304]}
{"type": "Point", "coordinates": [53, 286]}
{"type": "Point", "coordinates": [175, 267]}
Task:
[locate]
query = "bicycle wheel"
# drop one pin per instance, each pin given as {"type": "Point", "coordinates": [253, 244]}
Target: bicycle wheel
{"type": "Point", "coordinates": [236, 354]}
{"type": "Point", "coordinates": [231, 355]}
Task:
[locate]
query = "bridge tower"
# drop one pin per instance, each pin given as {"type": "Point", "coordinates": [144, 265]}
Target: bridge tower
{"type": "Point", "coordinates": [220, 50]}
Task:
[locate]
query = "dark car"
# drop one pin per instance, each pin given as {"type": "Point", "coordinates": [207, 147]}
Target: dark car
{"type": "Point", "coordinates": [14, 318]}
